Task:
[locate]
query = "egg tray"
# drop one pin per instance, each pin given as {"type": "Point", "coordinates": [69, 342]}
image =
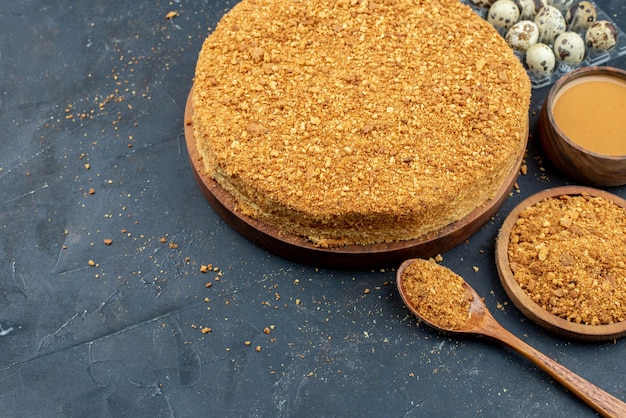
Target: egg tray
{"type": "Point", "coordinates": [593, 56]}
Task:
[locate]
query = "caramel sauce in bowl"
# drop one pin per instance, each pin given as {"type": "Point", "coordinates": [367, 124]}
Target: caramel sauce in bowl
{"type": "Point", "coordinates": [581, 126]}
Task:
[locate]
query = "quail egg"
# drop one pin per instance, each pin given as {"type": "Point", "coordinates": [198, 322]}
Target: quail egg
{"type": "Point", "coordinates": [580, 16]}
{"type": "Point", "coordinates": [551, 23]}
{"type": "Point", "coordinates": [483, 3]}
{"type": "Point", "coordinates": [602, 35]}
{"type": "Point", "coordinates": [562, 5]}
{"type": "Point", "coordinates": [540, 60]}
{"type": "Point", "coordinates": [529, 8]}
{"type": "Point", "coordinates": [503, 14]}
{"type": "Point", "coordinates": [569, 47]}
{"type": "Point", "coordinates": [522, 35]}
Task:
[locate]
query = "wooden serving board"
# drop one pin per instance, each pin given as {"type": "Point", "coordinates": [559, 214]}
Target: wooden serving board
{"type": "Point", "coordinates": [353, 257]}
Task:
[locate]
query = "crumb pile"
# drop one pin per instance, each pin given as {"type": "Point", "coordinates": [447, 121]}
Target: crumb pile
{"type": "Point", "coordinates": [358, 122]}
{"type": "Point", "coordinates": [438, 293]}
{"type": "Point", "coordinates": [569, 255]}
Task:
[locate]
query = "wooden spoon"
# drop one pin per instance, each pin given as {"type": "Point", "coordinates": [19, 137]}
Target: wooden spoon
{"type": "Point", "coordinates": [481, 322]}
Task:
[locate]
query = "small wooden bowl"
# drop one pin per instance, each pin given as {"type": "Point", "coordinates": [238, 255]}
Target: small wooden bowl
{"type": "Point", "coordinates": [521, 299]}
{"type": "Point", "coordinates": [582, 165]}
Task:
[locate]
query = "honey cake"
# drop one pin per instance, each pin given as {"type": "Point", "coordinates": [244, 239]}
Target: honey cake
{"type": "Point", "coordinates": [358, 122]}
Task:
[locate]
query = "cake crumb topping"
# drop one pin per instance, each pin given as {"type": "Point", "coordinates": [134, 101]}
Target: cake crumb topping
{"type": "Point", "coordinates": [437, 293]}
{"type": "Point", "coordinates": [568, 254]}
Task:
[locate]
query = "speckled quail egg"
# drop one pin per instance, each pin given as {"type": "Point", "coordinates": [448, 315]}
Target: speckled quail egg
{"type": "Point", "coordinates": [562, 5]}
{"type": "Point", "coordinates": [551, 23]}
{"type": "Point", "coordinates": [522, 35]}
{"type": "Point", "coordinates": [483, 3]}
{"type": "Point", "coordinates": [540, 60]}
{"type": "Point", "coordinates": [602, 35]}
{"type": "Point", "coordinates": [530, 8]}
{"type": "Point", "coordinates": [503, 14]}
{"type": "Point", "coordinates": [580, 16]}
{"type": "Point", "coordinates": [569, 47]}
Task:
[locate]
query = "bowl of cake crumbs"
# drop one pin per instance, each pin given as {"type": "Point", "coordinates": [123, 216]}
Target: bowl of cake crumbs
{"type": "Point", "coordinates": [561, 257]}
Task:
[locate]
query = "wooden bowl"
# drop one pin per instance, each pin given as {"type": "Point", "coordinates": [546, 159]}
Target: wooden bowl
{"type": "Point", "coordinates": [353, 257]}
{"type": "Point", "coordinates": [521, 299]}
{"type": "Point", "coordinates": [577, 162]}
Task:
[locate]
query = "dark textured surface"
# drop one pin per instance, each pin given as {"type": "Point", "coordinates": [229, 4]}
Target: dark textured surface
{"type": "Point", "coordinates": [104, 83]}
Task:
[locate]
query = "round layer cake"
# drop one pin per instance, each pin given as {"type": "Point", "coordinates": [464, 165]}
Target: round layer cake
{"type": "Point", "coordinates": [358, 122]}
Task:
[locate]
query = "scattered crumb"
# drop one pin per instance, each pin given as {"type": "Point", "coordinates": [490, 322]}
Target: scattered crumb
{"type": "Point", "coordinates": [172, 14]}
{"type": "Point", "coordinates": [524, 169]}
